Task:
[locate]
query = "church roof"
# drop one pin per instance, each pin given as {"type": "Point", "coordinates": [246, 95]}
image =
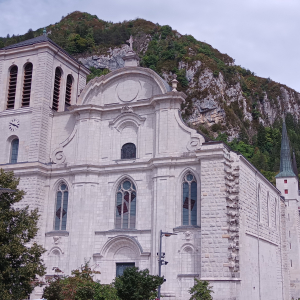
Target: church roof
{"type": "Point", "coordinates": [286, 169]}
{"type": "Point", "coordinates": [294, 164]}
{"type": "Point", "coordinates": [37, 40]}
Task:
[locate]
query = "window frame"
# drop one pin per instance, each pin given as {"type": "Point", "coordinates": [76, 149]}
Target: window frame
{"type": "Point", "coordinates": [11, 151]}
{"type": "Point", "coordinates": [23, 86]}
{"type": "Point", "coordinates": [57, 190]}
{"type": "Point", "coordinates": [183, 180]}
{"type": "Point", "coordinates": [117, 191]}
{"type": "Point", "coordinates": [59, 90]}
{"type": "Point", "coordinates": [9, 88]}
{"type": "Point", "coordinates": [122, 151]}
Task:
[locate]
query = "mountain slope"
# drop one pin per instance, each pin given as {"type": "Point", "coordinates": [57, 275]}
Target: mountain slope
{"type": "Point", "coordinates": [225, 101]}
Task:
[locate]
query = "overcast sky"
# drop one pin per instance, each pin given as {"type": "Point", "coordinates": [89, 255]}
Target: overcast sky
{"type": "Point", "coordinates": [262, 35]}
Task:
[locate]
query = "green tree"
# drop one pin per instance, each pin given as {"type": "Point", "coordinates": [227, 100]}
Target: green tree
{"type": "Point", "coordinates": [20, 257]}
{"type": "Point", "coordinates": [137, 284]}
{"type": "Point", "coordinates": [201, 290]}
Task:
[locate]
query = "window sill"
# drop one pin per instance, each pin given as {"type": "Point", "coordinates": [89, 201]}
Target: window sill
{"type": "Point", "coordinates": [57, 233]}
{"type": "Point", "coordinates": [120, 231]}
{"type": "Point", "coordinates": [188, 275]}
{"type": "Point", "coordinates": [186, 227]}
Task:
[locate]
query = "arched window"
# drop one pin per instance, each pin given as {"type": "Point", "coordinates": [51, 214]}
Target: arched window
{"type": "Point", "coordinates": [126, 205]}
{"type": "Point", "coordinates": [61, 207]}
{"type": "Point", "coordinates": [68, 91]}
{"type": "Point", "coordinates": [12, 87]}
{"type": "Point", "coordinates": [128, 151]}
{"type": "Point", "coordinates": [27, 85]}
{"type": "Point", "coordinates": [187, 261]}
{"type": "Point", "coordinates": [14, 151]}
{"type": "Point", "coordinates": [189, 200]}
{"type": "Point", "coordinates": [56, 90]}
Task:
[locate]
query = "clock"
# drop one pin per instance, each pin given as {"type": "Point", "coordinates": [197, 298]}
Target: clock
{"type": "Point", "coordinates": [14, 124]}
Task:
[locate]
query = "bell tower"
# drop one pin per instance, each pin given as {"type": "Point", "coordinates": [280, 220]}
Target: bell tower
{"type": "Point", "coordinates": [287, 183]}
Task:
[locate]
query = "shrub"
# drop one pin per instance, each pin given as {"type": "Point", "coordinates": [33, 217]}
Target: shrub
{"type": "Point", "coordinates": [201, 290]}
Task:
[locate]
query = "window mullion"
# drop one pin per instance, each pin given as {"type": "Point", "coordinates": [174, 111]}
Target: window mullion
{"type": "Point", "coordinates": [129, 208]}
{"type": "Point", "coordinates": [190, 204]}
{"type": "Point", "coordinates": [122, 209]}
{"type": "Point", "coordinates": [61, 210]}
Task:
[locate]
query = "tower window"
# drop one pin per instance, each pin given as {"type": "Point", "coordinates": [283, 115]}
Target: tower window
{"type": "Point", "coordinates": [189, 200]}
{"type": "Point", "coordinates": [27, 85]}
{"type": "Point", "coordinates": [128, 151]}
{"type": "Point", "coordinates": [126, 205]}
{"type": "Point", "coordinates": [14, 151]}
{"type": "Point", "coordinates": [285, 180]}
{"type": "Point", "coordinates": [56, 90]}
{"type": "Point", "coordinates": [286, 191]}
{"type": "Point", "coordinates": [68, 92]}
{"type": "Point", "coordinates": [61, 210]}
{"type": "Point", "coordinates": [12, 87]}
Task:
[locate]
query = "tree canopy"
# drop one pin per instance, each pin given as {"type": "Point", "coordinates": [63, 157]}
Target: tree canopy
{"type": "Point", "coordinates": [20, 256]}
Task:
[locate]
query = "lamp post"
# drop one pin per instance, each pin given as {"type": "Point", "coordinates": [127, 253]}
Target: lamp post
{"type": "Point", "coordinates": [160, 261]}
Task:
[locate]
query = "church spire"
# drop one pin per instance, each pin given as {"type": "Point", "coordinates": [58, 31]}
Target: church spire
{"type": "Point", "coordinates": [286, 169]}
{"type": "Point", "coordinates": [294, 165]}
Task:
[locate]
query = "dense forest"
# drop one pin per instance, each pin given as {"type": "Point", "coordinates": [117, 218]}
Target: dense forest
{"type": "Point", "coordinates": [164, 50]}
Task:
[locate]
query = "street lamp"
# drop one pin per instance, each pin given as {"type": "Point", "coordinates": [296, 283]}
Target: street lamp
{"type": "Point", "coordinates": [160, 256]}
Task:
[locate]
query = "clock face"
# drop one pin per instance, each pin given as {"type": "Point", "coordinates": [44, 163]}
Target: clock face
{"type": "Point", "coordinates": [14, 124]}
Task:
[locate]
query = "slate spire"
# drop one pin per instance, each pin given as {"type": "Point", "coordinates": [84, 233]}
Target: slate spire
{"type": "Point", "coordinates": [294, 165]}
{"type": "Point", "coordinates": [286, 169]}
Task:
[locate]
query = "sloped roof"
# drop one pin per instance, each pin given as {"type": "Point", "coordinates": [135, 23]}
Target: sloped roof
{"type": "Point", "coordinates": [286, 169]}
{"type": "Point", "coordinates": [37, 40]}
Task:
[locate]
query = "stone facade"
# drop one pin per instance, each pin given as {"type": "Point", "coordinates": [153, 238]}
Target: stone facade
{"type": "Point", "coordinates": [239, 239]}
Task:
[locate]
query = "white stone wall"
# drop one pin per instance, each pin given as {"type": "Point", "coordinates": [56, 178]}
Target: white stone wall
{"type": "Point", "coordinates": [239, 243]}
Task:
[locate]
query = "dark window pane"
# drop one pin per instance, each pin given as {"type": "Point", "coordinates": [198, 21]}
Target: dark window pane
{"type": "Point", "coordinates": [194, 203]}
{"type": "Point", "coordinates": [189, 177]}
{"type": "Point", "coordinates": [128, 151]}
{"type": "Point", "coordinates": [133, 210]}
{"type": "Point", "coordinates": [126, 185]}
{"type": "Point", "coordinates": [14, 151]}
{"type": "Point", "coordinates": [58, 210]}
{"type": "Point", "coordinates": [122, 266]}
{"type": "Point", "coordinates": [185, 201]}
{"type": "Point", "coordinates": [64, 212]}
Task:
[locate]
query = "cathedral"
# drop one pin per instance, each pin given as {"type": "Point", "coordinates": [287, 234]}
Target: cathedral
{"type": "Point", "coordinates": [110, 164]}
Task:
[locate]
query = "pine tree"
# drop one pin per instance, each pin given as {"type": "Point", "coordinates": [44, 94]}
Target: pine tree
{"type": "Point", "coordinates": [20, 257]}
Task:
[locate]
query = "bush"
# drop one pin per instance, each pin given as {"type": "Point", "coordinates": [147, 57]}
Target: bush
{"type": "Point", "coordinates": [137, 285]}
{"type": "Point", "coordinates": [201, 290]}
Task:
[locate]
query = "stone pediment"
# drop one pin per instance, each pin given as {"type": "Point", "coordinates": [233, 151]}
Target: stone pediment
{"type": "Point", "coordinates": [123, 86]}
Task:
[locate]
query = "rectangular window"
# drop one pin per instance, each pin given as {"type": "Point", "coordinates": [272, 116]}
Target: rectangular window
{"type": "Point", "coordinates": [285, 180]}
{"type": "Point", "coordinates": [121, 267]}
{"type": "Point", "coordinates": [286, 191]}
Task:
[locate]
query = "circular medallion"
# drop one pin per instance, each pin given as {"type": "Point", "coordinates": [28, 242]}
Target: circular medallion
{"type": "Point", "coordinates": [128, 90]}
{"type": "Point", "coordinates": [14, 124]}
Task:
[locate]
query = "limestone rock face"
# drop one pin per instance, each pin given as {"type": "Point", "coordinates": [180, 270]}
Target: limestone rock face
{"type": "Point", "coordinates": [209, 93]}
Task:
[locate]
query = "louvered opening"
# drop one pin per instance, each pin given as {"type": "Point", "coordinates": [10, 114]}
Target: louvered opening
{"type": "Point", "coordinates": [56, 89]}
{"type": "Point", "coordinates": [27, 85]}
{"type": "Point", "coordinates": [12, 87]}
{"type": "Point", "coordinates": [68, 92]}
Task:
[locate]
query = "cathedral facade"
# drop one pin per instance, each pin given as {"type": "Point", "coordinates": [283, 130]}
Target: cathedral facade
{"type": "Point", "coordinates": [110, 164]}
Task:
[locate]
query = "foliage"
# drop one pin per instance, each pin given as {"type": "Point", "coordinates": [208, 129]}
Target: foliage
{"type": "Point", "coordinates": [96, 73]}
{"type": "Point", "coordinates": [79, 286]}
{"type": "Point", "coordinates": [201, 290]}
{"type": "Point", "coordinates": [137, 284]}
{"type": "Point", "coordinates": [168, 52]}
{"type": "Point", "coordinates": [20, 257]}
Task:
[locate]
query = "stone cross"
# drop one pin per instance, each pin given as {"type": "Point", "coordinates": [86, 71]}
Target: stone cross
{"type": "Point", "coordinates": [130, 41]}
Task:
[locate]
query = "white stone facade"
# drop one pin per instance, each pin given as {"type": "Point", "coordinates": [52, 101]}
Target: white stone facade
{"type": "Point", "coordinates": [240, 240]}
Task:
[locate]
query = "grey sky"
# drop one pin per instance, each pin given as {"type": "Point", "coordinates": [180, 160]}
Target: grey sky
{"type": "Point", "coordinates": [260, 35]}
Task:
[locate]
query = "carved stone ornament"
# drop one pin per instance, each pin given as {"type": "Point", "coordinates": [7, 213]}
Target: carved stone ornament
{"type": "Point", "coordinates": [193, 144]}
{"type": "Point", "coordinates": [59, 156]}
{"type": "Point", "coordinates": [126, 109]}
{"type": "Point", "coordinates": [56, 239]}
{"type": "Point", "coordinates": [188, 235]}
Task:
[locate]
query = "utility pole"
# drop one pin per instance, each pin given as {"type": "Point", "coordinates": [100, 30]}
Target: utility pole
{"type": "Point", "coordinates": [160, 256]}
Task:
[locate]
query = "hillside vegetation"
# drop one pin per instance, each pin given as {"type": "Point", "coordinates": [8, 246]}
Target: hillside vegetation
{"type": "Point", "coordinates": [225, 101]}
